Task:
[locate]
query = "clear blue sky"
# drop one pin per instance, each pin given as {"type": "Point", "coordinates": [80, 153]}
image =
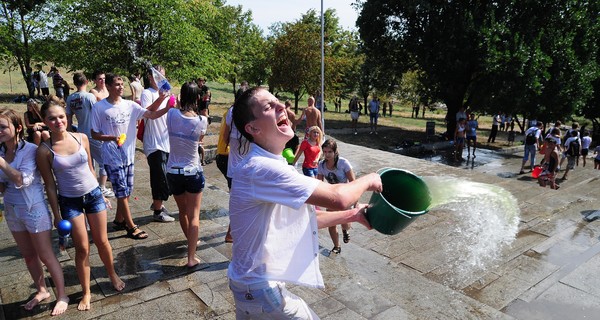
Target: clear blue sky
{"type": "Point", "coordinates": [267, 12]}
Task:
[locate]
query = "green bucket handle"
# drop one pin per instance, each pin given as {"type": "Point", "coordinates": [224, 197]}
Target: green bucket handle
{"type": "Point", "coordinates": [384, 170]}
{"type": "Point", "coordinates": [388, 218]}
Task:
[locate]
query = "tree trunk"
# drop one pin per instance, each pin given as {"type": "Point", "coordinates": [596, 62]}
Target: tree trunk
{"type": "Point", "coordinates": [296, 99]}
{"type": "Point", "coordinates": [451, 119]}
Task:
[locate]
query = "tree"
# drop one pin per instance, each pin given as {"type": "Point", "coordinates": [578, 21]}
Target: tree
{"type": "Point", "coordinates": [133, 33]}
{"type": "Point", "coordinates": [21, 23]}
{"type": "Point", "coordinates": [296, 59]}
{"type": "Point", "coordinates": [297, 52]}
{"type": "Point", "coordinates": [239, 42]}
{"type": "Point", "coordinates": [525, 56]}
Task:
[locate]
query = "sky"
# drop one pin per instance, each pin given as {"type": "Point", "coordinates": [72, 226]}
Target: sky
{"type": "Point", "coordinates": [267, 12]}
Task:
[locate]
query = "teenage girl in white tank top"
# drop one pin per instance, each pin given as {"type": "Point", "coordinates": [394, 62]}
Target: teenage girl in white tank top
{"type": "Point", "coordinates": [67, 156]}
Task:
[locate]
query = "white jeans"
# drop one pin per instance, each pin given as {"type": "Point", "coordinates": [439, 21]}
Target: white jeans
{"type": "Point", "coordinates": [268, 300]}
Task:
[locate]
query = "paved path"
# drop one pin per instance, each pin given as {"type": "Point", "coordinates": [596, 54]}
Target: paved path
{"type": "Point", "coordinates": [548, 272]}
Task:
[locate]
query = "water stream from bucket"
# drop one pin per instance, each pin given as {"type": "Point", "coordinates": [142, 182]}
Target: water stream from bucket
{"type": "Point", "coordinates": [484, 222]}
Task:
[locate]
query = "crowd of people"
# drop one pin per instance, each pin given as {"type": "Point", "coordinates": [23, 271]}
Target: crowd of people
{"type": "Point", "coordinates": [269, 199]}
{"type": "Point", "coordinates": [554, 146]}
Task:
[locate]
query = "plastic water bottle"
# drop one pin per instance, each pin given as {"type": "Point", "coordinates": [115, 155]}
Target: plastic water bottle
{"type": "Point", "coordinates": [64, 231]}
{"type": "Point", "coordinates": [161, 82]}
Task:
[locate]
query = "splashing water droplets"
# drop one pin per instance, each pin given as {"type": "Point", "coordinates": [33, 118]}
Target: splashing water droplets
{"type": "Point", "coordinates": [484, 222]}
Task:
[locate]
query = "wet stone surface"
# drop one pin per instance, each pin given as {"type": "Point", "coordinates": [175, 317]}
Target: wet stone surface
{"type": "Point", "coordinates": [549, 271]}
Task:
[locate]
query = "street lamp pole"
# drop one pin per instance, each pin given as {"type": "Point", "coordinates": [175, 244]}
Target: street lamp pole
{"type": "Point", "coordinates": [322, 69]}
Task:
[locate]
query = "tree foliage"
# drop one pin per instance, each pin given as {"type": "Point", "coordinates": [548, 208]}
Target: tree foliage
{"type": "Point", "coordinates": [240, 43]}
{"type": "Point", "coordinates": [295, 63]}
{"type": "Point", "coordinates": [296, 59]}
{"type": "Point", "coordinates": [134, 32]}
{"type": "Point", "coordinates": [21, 24]}
{"type": "Point", "coordinates": [533, 57]}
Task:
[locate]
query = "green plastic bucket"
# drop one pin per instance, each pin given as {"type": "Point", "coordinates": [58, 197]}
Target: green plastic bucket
{"type": "Point", "coordinates": [404, 198]}
{"type": "Point", "coordinates": [289, 155]}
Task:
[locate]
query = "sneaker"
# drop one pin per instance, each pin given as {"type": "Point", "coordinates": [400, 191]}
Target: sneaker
{"type": "Point", "coordinates": [107, 192]}
{"type": "Point", "coordinates": [163, 210]}
{"type": "Point", "coordinates": [163, 217]}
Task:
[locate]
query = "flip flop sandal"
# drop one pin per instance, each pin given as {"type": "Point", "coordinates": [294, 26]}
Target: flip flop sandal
{"type": "Point", "coordinates": [136, 236]}
{"type": "Point", "coordinates": [346, 236]}
{"type": "Point", "coordinates": [336, 250]}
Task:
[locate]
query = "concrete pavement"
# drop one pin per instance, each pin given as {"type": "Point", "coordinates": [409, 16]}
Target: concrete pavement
{"type": "Point", "coordinates": [548, 272]}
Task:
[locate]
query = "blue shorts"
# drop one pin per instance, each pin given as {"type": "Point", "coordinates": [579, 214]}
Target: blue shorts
{"type": "Point", "coordinates": [180, 183]}
{"type": "Point", "coordinates": [310, 172]}
{"type": "Point", "coordinates": [121, 178]}
{"type": "Point", "coordinates": [472, 138]}
{"type": "Point", "coordinates": [91, 202]}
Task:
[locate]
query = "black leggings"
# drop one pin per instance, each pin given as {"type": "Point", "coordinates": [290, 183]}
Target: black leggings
{"type": "Point", "coordinates": [157, 161]}
{"type": "Point", "coordinates": [222, 160]}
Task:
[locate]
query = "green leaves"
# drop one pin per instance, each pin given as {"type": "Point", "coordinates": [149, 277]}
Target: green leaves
{"type": "Point", "coordinates": [533, 57]}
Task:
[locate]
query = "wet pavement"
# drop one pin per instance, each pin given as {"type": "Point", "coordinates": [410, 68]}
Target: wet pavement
{"type": "Point", "coordinates": [548, 272]}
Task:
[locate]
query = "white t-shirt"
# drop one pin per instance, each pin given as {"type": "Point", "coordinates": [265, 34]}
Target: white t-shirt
{"type": "Point", "coordinates": [156, 136]}
{"type": "Point", "coordinates": [32, 190]}
{"type": "Point", "coordinates": [43, 79]}
{"type": "Point", "coordinates": [275, 231]}
{"type": "Point", "coordinates": [585, 142]}
{"type": "Point", "coordinates": [568, 143]}
{"type": "Point", "coordinates": [235, 140]}
{"type": "Point", "coordinates": [113, 120]}
{"type": "Point", "coordinates": [537, 132]}
{"type": "Point", "coordinates": [184, 133]}
{"type": "Point", "coordinates": [80, 104]}
{"type": "Point", "coordinates": [338, 174]}
{"type": "Point", "coordinates": [556, 139]}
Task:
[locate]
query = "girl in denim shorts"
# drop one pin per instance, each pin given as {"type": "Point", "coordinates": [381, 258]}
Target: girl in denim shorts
{"type": "Point", "coordinates": [75, 191]}
{"type": "Point", "coordinates": [184, 172]}
{"type": "Point", "coordinates": [27, 214]}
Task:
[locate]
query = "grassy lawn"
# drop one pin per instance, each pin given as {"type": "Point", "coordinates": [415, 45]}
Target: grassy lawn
{"type": "Point", "coordinates": [394, 130]}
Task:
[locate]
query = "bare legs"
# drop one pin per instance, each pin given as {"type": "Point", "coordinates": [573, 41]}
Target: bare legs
{"type": "Point", "coordinates": [123, 214]}
{"type": "Point", "coordinates": [97, 222]}
{"type": "Point", "coordinates": [36, 249]}
{"type": "Point", "coordinates": [189, 220]}
{"type": "Point", "coordinates": [335, 236]}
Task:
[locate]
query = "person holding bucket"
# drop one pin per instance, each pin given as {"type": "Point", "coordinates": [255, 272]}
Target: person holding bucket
{"type": "Point", "coordinates": [335, 169]}
{"type": "Point", "coordinates": [273, 217]}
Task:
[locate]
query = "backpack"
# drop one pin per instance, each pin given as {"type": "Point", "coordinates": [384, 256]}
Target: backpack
{"type": "Point", "coordinates": [574, 148]}
{"type": "Point", "coordinates": [530, 138]}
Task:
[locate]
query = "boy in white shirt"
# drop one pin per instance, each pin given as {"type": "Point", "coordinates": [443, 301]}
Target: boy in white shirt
{"type": "Point", "coordinates": [156, 149]}
{"type": "Point", "coordinates": [273, 217]}
{"type": "Point", "coordinates": [112, 117]}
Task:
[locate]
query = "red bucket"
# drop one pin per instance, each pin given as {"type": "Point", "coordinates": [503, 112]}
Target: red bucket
{"type": "Point", "coordinates": [537, 170]}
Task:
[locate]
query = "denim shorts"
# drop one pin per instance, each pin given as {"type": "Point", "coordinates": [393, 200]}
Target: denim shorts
{"type": "Point", "coordinates": [180, 183]}
{"type": "Point", "coordinates": [91, 202]}
{"type": "Point", "coordinates": [310, 172]}
{"type": "Point", "coordinates": [36, 220]}
{"type": "Point", "coordinates": [268, 300]}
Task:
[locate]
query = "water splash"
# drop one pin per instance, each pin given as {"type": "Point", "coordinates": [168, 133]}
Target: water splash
{"type": "Point", "coordinates": [485, 221]}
